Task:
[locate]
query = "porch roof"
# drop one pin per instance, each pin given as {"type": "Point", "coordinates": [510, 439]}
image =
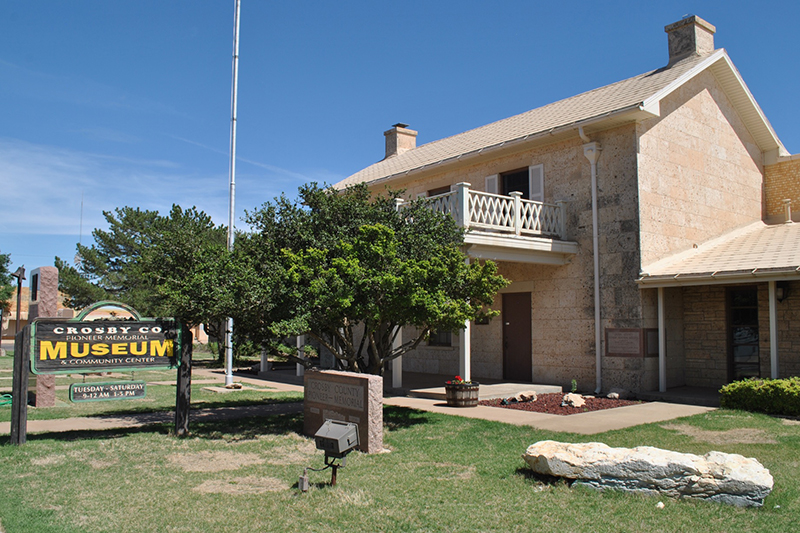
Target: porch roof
{"type": "Point", "coordinates": [758, 252]}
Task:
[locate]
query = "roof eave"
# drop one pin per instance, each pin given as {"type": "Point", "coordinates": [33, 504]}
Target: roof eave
{"type": "Point", "coordinates": [632, 113]}
{"type": "Point", "coordinates": [721, 66]}
{"type": "Point", "coordinates": [720, 278]}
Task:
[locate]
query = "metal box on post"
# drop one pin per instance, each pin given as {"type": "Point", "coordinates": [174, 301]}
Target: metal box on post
{"type": "Point", "coordinates": [336, 438]}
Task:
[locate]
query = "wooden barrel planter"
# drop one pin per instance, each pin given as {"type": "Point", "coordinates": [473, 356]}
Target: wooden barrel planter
{"type": "Point", "coordinates": [461, 394]}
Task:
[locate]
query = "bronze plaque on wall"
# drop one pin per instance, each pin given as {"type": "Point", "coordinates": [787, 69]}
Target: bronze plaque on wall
{"type": "Point", "coordinates": [624, 342]}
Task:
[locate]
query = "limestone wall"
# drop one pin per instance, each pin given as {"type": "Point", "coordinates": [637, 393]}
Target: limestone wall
{"type": "Point", "coordinates": [782, 181]}
{"type": "Point", "coordinates": [562, 296]}
{"type": "Point", "coordinates": [700, 171]}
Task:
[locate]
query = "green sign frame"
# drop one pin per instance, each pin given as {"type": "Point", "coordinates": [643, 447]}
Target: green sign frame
{"type": "Point", "coordinates": [76, 346]}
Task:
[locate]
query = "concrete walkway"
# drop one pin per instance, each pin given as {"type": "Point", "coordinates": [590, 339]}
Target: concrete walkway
{"type": "Point", "coordinates": [584, 423]}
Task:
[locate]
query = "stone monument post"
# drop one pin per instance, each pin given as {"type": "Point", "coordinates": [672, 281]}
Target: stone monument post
{"type": "Point", "coordinates": [43, 303]}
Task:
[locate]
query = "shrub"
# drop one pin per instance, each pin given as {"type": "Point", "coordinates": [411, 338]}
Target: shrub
{"type": "Point", "coordinates": [771, 396]}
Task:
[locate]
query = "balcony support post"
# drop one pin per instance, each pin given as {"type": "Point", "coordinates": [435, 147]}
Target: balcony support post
{"type": "Point", "coordinates": [462, 204]}
{"type": "Point", "coordinates": [562, 219]}
{"type": "Point", "coordinates": [465, 349]}
{"type": "Point", "coordinates": [516, 195]}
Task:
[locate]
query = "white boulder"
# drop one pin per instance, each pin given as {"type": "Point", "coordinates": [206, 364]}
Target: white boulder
{"type": "Point", "coordinates": [573, 400]}
{"type": "Point", "coordinates": [619, 394]}
{"type": "Point", "coordinates": [716, 476]}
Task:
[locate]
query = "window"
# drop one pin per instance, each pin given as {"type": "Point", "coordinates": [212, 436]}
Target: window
{"type": "Point", "coordinates": [440, 338]}
{"type": "Point", "coordinates": [439, 190]}
{"type": "Point", "coordinates": [529, 181]}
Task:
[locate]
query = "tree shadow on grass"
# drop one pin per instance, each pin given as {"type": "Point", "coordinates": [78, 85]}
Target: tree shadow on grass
{"type": "Point", "coordinates": [395, 418]}
{"type": "Point", "coordinates": [225, 429]}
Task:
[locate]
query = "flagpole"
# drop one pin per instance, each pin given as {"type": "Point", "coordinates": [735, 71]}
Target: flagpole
{"type": "Point", "coordinates": [232, 176]}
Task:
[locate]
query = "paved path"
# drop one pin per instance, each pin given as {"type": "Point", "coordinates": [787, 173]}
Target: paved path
{"type": "Point", "coordinates": [584, 423]}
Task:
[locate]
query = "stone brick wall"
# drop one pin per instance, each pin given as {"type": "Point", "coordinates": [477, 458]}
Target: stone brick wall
{"type": "Point", "coordinates": [782, 181]}
{"type": "Point", "coordinates": [705, 335]}
{"type": "Point", "coordinates": [788, 332]}
{"type": "Point", "coordinates": [705, 343]}
{"type": "Point", "coordinates": [700, 171]}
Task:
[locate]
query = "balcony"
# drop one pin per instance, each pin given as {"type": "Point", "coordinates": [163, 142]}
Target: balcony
{"type": "Point", "coordinates": [508, 228]}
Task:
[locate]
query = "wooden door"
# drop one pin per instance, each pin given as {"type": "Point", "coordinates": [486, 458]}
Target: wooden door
{"type": "Point", "coordinates": [517, 352]}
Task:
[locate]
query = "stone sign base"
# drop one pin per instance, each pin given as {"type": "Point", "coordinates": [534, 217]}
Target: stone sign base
{"type": "Point", "coordinates": [349, 397]}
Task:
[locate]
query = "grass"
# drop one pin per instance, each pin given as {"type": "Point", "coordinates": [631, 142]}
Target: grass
{"type": "Point", "coordinates": [444, 473]}
{"type": "Point", "coordinates": [157, 398]}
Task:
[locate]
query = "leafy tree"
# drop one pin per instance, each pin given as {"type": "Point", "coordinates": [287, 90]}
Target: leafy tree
{"type": "Point", "coordinates": [160, 265]}
{"type": "Point", "coordinates": [350, 271]}
{"type": "Point", "coordinates": [110, 268]}
{"type": "Point", "coordinates": [6, 286]}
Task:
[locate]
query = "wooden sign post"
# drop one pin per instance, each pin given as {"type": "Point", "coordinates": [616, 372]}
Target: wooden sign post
{"type": "Point", "coordinates": [51, 346]}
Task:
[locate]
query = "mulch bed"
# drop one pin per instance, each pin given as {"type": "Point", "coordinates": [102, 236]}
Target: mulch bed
{"type": "Point", "coordinates": [551, 404]}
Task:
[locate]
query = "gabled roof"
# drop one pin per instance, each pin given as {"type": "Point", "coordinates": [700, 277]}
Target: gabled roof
{"type": "Point", "coordinates": [757, 252]}
{"type": "Point", "coordinates": [618, 103]}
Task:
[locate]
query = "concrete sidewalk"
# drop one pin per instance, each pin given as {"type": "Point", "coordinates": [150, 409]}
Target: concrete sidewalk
{"type": "Point", "coordinates": [584, 423]}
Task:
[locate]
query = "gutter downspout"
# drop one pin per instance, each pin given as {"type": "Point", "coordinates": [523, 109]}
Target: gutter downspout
{"type": "Point", "coordinates": [591, 150]}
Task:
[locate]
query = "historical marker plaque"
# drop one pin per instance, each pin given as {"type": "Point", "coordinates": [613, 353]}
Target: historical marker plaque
{"type": "Point", "coordinates": [624, 342]}
{"type": "Point", "coordinates": [349, 397]}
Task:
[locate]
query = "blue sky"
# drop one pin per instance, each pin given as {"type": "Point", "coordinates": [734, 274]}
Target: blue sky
{"type": "Point", "coordinates": [128, 102]}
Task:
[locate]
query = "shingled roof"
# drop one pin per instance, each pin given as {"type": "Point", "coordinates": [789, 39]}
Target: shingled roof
{"type": "Point", "coordinates": [752, 253]}
{"type": "Point", "coordinates": [622, 101]}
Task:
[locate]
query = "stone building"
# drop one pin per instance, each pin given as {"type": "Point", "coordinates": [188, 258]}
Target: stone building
{"type": "Point", "coordinates": [645, 227]}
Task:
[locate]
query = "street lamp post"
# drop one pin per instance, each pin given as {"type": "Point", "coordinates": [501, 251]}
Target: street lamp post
{"type": "Point", "coordinates": [20, 275]}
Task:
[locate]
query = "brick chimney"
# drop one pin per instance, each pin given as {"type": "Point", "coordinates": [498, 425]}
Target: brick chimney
{"type": "Point", "coordinates": [399, 139]}
{"type": "Point", "coordinates": [689, 36]}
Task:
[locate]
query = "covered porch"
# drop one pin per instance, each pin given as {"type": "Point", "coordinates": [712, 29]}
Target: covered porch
{"type": "Point", "coordinates": [728, 310]}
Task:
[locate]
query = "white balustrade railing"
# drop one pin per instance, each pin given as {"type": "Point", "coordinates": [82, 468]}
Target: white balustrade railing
{"type": "Point", "coordinates": [495, 212]}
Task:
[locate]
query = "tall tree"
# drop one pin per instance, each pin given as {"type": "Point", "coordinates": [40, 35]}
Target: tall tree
{"type": "Point", "coordinates": [351, 271]}
{"type": "Point", "coordinates": [172, 265]}
{"type": "Point", "coordinates": [110, 269]}
{"type": "Point", "coordinates": [6, 286]}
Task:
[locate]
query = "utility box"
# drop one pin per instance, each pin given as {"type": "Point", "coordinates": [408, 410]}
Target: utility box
{"type": "Point", "coordinates": [336, 438]}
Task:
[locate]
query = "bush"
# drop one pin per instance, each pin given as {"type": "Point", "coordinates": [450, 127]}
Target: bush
{"type": "Point", "coordinates": [771, 396]}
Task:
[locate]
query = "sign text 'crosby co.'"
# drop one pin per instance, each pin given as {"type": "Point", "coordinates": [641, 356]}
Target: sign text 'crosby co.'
{"type": "Point", "coordinates": [79, 347]}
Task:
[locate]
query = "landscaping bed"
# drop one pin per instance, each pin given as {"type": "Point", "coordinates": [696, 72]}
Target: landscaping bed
{"type": "Point", "coordinates": [551, 404]}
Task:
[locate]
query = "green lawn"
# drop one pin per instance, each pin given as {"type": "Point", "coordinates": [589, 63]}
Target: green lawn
{"type": "Point", "coordinates": [157, 398]}
{"type": "Point", "coordinates": [444, 473]}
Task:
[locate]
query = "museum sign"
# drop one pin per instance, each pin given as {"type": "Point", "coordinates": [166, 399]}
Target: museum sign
{"type": "Point", "coordinates": [66, 347]}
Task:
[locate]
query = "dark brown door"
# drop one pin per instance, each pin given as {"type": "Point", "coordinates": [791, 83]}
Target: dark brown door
{"type": "Point", "coordinates": [517, 336]}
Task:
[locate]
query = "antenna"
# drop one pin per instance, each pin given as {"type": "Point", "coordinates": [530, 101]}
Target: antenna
{"type": "Point", "coordinates": [78, 259]}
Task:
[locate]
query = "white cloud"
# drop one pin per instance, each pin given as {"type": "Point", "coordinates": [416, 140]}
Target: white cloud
{"type": "Point", "coordinates": [41, 187]}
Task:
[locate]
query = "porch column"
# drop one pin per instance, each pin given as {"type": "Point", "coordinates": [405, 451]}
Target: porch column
{"type": "Point", "coordinates": [465, 349]}
{"type": "Point", "coordinates": [773, 330]}
{"type": "Point", "coordinates": [397, 363]}
{"type": "Point", "coordinates": [662, 343]}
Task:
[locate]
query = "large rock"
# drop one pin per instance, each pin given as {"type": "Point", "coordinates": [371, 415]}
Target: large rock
{"type": "Point", "coordinates": [722, 477]}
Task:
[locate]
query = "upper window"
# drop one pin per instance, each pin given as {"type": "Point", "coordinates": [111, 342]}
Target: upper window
{"type": "Point", "coordinates": [529, 181]}
{"type": "Point", "coordinates": [439, 190]}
